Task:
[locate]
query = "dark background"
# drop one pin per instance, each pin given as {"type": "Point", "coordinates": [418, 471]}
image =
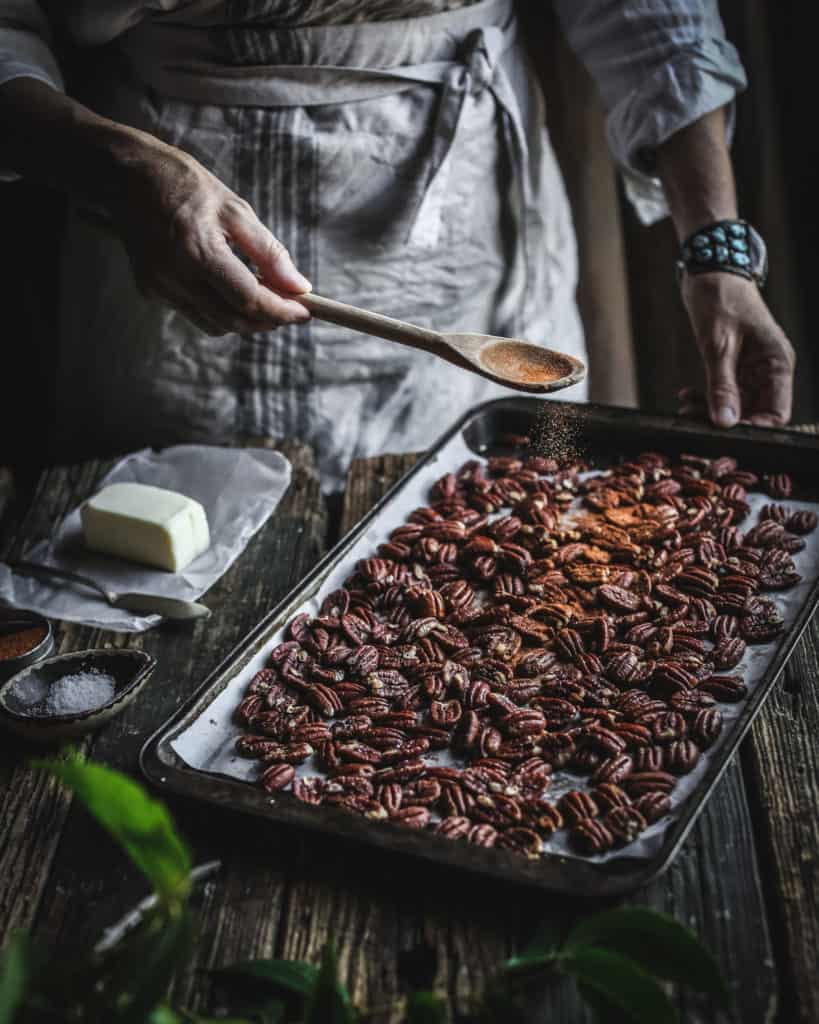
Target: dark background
{"type": "Point", "coordinates": [639, 339]}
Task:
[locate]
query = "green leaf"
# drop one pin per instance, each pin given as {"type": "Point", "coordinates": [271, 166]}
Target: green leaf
{"type": "Point", "coordinates": [657, 943]}
{"type": "Point", "coordinates": [136, 983]}
{"type": "Point", "coordinates": [15, 972]}
{"type": "Point", "coordinates": [291, 976]}
{"type": "Point", "coordinates": [528, 965]}
{"type": "Point", "coordinates": [140, 824]}
{"type": "Point", "coordinates": [329, 1002]}
{"type": "Point", "coordinates": [622, 983]}
{"type": "Point", "coordinates": [426, 1008]}
{"type": "Point", "coordinates": [165, 1015]}
{"type": "Point", "coordinates": [607, 1012]}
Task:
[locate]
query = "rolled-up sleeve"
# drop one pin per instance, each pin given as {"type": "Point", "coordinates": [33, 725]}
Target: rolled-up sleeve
{"type": "Point", "coordinates": [24, 44]}
{"type": "Point", "coordinates": [659, 65]}
{"type": "Point", "coordinates": [25, 50]}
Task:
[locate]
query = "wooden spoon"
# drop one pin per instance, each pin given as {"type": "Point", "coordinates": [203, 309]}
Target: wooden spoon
{"type": "Point", "coordinates": [515, 364]}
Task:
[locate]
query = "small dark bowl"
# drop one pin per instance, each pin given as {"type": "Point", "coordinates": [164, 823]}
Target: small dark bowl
{"type": "Point", "coordinates": [130, 671]}
{"type": "Point", "coordinates": [11, 621]}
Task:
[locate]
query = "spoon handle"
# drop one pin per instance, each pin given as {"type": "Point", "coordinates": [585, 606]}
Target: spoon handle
{"type": "Point", "coordinates": [374, 323]}
{"type": "Point", "coordinates": [48, 572]}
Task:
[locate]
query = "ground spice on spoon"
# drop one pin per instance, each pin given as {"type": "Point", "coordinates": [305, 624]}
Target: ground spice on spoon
{"type": "Point", "coordinates": [525, 363]}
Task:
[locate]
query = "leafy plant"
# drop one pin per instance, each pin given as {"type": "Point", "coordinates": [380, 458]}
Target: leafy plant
{"type": "Point", "coordinates": [140, 824]}
{"type": "Point", "coordinates": [619, 958]}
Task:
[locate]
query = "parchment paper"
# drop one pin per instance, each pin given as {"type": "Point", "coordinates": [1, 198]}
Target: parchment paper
{"type": "Point", "coordinates": [208, 743]}
{"type": "Point", "coordinates": [239, 489]}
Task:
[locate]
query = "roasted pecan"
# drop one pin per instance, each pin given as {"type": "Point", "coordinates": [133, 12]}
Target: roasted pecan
{"type": "Point", "coordinates": [639, 783]}
{"type": "Point", "coordinates": [608, 795]}
{"type": "Point", "coordinates": [576, 805]}
{"type": "Point", "coordinates": [411, 817]}
{"type": "Point", "coordinates": [277, 776]}
{"type": "Point", "coordinates": [778, 485]}
{"type": "Point", "coordinates": [725, 688]}
{"type": "Point", "coordinates": [404, 771]}
{"type": "Point", "coordinates": [590, 836]}
{"type": "Point", "coordinates": [521, 840]}
{"type": "Point", "coordinates": [649, 759]}
{"type": "Point", "coordinates": [614, 769]}
{"type": "Point", "coordinates": [310, 789]}
{"type": "Point", "coordinates": [681, 757]}
{"type": "Point", "coordinates": [707, 726]}
{"type": "Point", "coordinates": [453, 827]}
{"type": "Point", "coordinates": [543, 815]}
{"type": "Point", "coordinates": [802, 522]}
{"type": "Point", "coordinates": [625, 823]}
{"type": "Point", "coordinates": [653, 806]}
{"type": "Point", "coordinates": [482, 835]}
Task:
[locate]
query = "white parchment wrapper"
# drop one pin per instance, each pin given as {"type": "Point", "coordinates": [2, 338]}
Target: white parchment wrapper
{"type": "Point", "coordinates": [208, 743]}
{"type": "Point", "coordinates": [239, 488]}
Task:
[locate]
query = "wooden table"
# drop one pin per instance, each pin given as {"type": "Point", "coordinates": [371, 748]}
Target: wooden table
{"type": "Point", "coordinates": [747, 880]}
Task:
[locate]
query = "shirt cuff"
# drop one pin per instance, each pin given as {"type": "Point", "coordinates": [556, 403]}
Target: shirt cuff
{"type": "Point", "coordinates": [25, 55]}
{"type": "Point", "coordinates": [694, 83]}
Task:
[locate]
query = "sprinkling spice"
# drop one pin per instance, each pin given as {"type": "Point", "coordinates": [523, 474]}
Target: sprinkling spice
{"type": "Point", "coordinates": [75, 693]}
{"type": "Point", "coordinates": [556, 434]}
{"type": "Point", "coordinates": [12, 645]}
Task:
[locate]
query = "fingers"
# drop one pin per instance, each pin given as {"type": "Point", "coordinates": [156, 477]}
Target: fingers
{"type": "Point", "coordinates": [720, 351]}
{"type": "Point", "coordinates": [276, 268]}
{"type": "Point", "coordinates": [207, 310]}
{"type": "Point", "coordinates": [223, 271]}
{"type": "Point", "coordinates": [779, 389]}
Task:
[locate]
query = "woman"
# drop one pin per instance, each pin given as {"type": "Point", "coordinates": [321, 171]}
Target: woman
{"type": "Point", "coordinates": [402, 165]}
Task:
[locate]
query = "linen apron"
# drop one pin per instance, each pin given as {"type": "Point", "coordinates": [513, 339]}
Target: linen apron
{"type": "Point", "coordinates": [406, 167]}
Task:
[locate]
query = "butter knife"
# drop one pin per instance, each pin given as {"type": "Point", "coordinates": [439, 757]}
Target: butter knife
{"type": "Point", "coordinates": [145, 604]}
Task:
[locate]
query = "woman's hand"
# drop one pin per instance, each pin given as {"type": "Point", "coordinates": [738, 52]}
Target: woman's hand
{"type": "Point", "coordinates": [181, 225]}
{"type": "Point", "coordinates": [749, 363]}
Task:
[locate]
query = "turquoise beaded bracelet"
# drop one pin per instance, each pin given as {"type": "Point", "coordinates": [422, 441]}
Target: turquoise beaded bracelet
{"type": "Point", "coordinates": [732, 246]}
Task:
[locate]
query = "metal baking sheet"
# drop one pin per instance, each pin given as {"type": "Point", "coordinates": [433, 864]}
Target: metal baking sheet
{"type": "Point", "coordinates": [193, 752]}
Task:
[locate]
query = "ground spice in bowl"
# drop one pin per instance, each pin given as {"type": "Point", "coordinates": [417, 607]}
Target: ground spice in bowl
{"type": "Point", "coordinates": [13, 645]}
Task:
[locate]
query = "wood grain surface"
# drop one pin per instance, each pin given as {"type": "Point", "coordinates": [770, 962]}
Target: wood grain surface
{"type": "Point", "coordinates": [745, 880]}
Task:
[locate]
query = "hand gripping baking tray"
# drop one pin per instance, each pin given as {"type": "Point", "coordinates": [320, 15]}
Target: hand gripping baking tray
{"type": "Point", "coordinates": [603, 435]}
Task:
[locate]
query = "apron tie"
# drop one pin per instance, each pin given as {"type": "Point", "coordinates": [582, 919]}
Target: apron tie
{"type": "Point", "coordinates": [476, 69]}
{"type": "Point", "coordinates": [163, 58]}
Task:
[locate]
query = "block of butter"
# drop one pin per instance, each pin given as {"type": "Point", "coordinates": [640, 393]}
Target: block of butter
{"type": "Point", "coordinates": [146, 524]}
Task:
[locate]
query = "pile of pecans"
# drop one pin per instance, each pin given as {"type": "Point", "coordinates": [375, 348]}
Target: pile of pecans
{"type": "Point", "coordinates": [532, 619]}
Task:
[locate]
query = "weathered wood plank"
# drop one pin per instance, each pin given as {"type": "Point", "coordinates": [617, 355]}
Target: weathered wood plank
{"type": "Point", "coordinates": [782, 758]}
{"type": "Point", "coordinates": [33, 810]}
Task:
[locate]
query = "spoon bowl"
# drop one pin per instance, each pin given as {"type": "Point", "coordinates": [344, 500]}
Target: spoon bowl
{"type": "Point", "coordinates": [518, 364]}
